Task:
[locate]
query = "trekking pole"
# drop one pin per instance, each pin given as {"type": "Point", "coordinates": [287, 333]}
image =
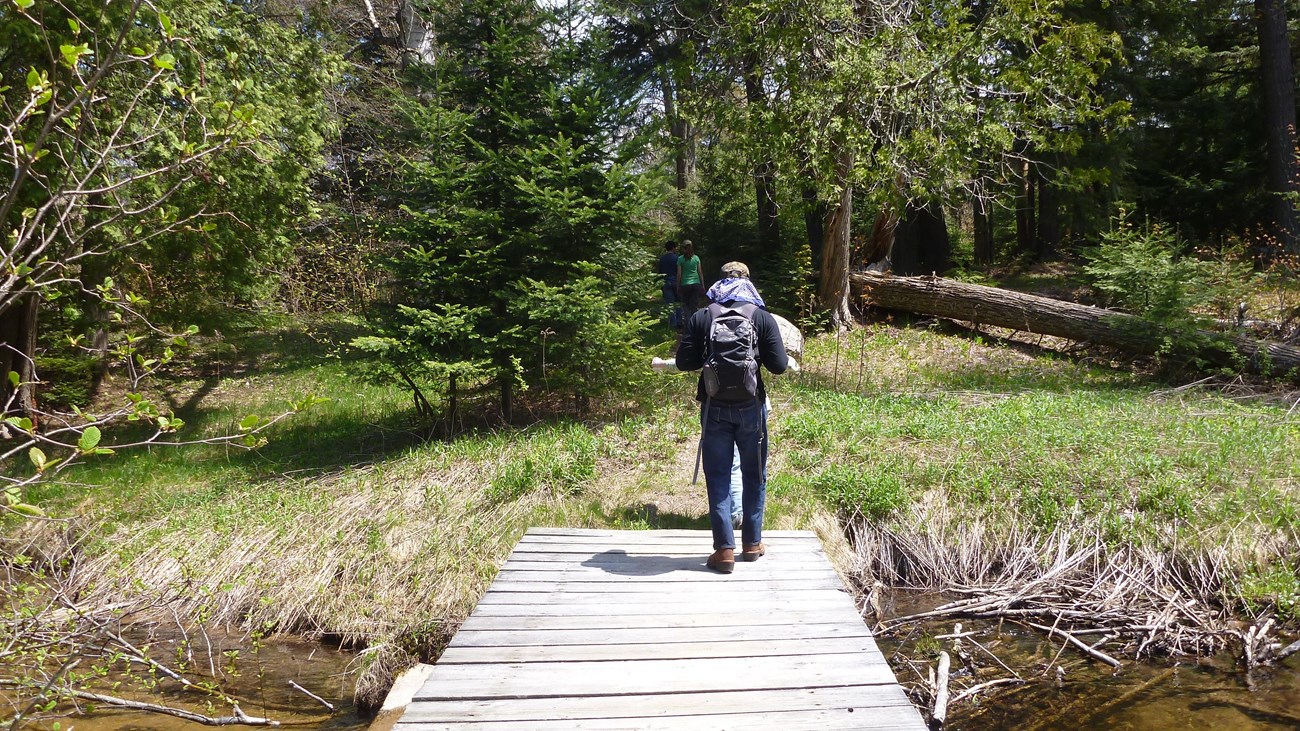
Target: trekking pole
{"type": "Point", "coordinates": [699, 446]}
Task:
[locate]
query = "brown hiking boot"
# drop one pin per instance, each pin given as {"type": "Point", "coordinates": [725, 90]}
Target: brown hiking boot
{"type": "Point", "coordinates": [751, 553]}
{"type": "Point", "coordinates": [723, 560]}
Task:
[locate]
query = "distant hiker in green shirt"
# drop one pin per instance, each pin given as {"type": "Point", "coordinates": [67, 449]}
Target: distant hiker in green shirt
{"type": "Point", "coordinates": [690, 288]}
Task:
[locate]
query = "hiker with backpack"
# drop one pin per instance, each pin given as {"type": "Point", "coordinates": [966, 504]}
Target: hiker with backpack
{"type": "Point", "coordinates": [728, 341]}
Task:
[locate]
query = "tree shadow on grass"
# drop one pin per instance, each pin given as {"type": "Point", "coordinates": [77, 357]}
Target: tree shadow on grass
{"type": "Point", "coordinates": [652, 518]}
{"type": "Point", "coordinates": [321, 445]}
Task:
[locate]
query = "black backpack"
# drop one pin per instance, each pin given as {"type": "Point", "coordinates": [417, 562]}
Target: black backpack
{"type": "Point", "coordinates": [731, 354]}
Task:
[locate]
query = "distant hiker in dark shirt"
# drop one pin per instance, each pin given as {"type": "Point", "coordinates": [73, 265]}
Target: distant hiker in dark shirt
{"type": "Point", "coordinates": [668, 269]}
{"type": "Point", "coordinates": [731, 424]}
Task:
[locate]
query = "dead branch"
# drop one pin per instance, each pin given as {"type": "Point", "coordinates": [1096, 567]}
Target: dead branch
{"type": "Point", "coordinates": [311, 695]}
{"type": "Point", "coordinates": [976, 689]}
{"type": "Point", "coordinates": [1077, 643]}
{"type": "Point", "coordinates": [238, 719]}
{"type": "Point", "coordinates": [940, 712]}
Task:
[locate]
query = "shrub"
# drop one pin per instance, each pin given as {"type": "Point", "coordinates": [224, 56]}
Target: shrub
{"type": "Point", "coordinates": [66, 380]}
{"type": "Point", "coordinates": [1144, 271]}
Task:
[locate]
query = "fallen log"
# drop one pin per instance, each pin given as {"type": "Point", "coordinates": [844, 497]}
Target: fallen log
{"type": "Point", "coordinates": [1045, 316]}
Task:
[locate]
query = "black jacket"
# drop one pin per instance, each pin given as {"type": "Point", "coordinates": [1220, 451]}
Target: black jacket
{"type": "Point", "coordinates": [771, 351]}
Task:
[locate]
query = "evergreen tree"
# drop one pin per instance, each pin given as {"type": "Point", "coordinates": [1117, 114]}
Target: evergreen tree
{"type": "Point", "coordinates": [521, 225]}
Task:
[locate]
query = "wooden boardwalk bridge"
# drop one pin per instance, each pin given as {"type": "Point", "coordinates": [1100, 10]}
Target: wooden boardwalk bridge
{"type": "Point", "coordinates": [604, 629]}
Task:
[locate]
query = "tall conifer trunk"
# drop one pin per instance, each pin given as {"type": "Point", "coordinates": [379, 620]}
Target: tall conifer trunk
{"type": "Point", "coordinates": [17, 350]}
{"type": "Point", "coordinates": [833, 284]}
{"type": "Point", "coordinates": [1278, 87]}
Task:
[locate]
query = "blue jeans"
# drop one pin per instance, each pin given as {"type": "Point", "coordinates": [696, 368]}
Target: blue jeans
{"type": "Point", "coordinates": [670, 298]}
{"type": "Point", "coordinates": [728, 428]}
{"type": "Point", "coordinates": [737, 487]}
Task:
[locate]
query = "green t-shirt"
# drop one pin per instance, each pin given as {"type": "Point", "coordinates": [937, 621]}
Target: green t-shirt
{"type": "Point", "coordinates": [690, 266]}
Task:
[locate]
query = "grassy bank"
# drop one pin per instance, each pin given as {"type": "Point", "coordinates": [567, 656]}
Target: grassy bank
{"type": "Point", "coordinates": [349, 524]}
{"type": "Point", "coordinates": [969, 451]}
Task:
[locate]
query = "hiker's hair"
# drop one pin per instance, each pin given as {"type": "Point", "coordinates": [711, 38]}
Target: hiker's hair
{"type": "Point", "coordinates": [670, 246]}
{"type": "Point", "coordinates": [688, 247]}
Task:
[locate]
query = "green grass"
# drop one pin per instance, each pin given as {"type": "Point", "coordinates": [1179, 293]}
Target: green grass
{"type": "Point", "coordinates": [918, 419]}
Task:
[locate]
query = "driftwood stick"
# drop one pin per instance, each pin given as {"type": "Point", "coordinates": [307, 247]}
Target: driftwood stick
{"type": "Point", "coordinates": [975, 689]}
{"type": "Point", "coordinates": [940, 713]}
{"type": "Point", "coordinates": [1287, 651]}
{"type": "Point", "coordinates": [238, 719]}
{"type": "Point", "coordinates": [311, 695]}
{"type": "Point", "coordinates": [1098, 654]}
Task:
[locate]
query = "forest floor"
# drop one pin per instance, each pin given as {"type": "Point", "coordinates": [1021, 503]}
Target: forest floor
{"type": "Point", "coordinates": [351, 525]}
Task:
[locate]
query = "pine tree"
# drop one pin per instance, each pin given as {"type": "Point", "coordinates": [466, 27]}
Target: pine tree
{"type": "Point", "coordinates": [521, 218]}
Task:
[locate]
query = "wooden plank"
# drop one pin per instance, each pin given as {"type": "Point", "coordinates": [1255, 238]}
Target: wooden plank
{"type": "Point", "coordinates": [564, 552]}
{"type": "Point", "coordinates": [638, 677]}
{"type": "Point", "coordinates": [882, 719]}
{"type": "Point", "coordinates": [697, 575]}
{"type": "Point", "coordinates": [637, 635]}
{"type": "Point", "coordinates": [658, 651]}
{"type": "Point", "coordinates": [659, 532]}
{"type": "Point", "coordinates": [744, 616]}
{"type": "Point", "coordinates": [645, 538]}
{"type": "Point", "coordinates": [663, 706]}
{"type": "Point", "coordinates": [704, 594]}
{"type": "Point", "coordinates": [620, 559]}
{"type": "Point", "coordinates": [665, 564]}
{"type": "Point", "coordinates": [664, 609]}
{"type": "Point", "coordinates": [560, 586]}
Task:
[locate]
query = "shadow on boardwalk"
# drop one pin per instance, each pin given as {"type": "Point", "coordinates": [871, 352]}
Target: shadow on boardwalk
{"type": "Point", "coordinates": [617, 561]}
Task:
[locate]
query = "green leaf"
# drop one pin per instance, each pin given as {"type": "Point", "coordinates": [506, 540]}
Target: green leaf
{"type": "Point", "coordinates": [103, 450]}
{"type": "Point", "coordinates": [74, 25]}
{"type": "Point", "coordinates": [15, 379]}
{"type": "Point", "coordinates": [21, 422]}
{"type": "Point", "coordinates": [38, 458]}
{"type": "Point", "coordinates": [24, 4]}
{"type": "Point", "coordinates": [89, 439]}
{"type": "Point", "coordinates": [33, 79]}
{"type": "Point", "coordinates": [26, 509]}
{"type": "Point", "coordinates": [166, 23]}
{"type": "Point", "coordinates": [249, 422]}
{"type": "Point", "coordinates": [165, 61]}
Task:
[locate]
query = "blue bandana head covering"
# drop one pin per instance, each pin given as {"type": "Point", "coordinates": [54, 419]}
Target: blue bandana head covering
{"type": "Point", "coordinates": [735, 289]}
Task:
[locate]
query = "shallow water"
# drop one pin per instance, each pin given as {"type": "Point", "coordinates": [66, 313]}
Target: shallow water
{"type": "Point", "coordinates": [257, 675]}
{"type": "Point", "coordinates": [1186, 695]}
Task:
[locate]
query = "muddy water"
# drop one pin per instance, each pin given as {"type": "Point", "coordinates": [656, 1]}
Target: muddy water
{"type": "Point", "coordinates": [257, 675]}
{"type": "Point", "coordinates": [1208, 695]}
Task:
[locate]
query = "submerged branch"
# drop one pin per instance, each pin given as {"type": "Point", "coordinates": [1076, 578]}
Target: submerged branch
{"type": "Point", "coordinates": [238, 719]}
